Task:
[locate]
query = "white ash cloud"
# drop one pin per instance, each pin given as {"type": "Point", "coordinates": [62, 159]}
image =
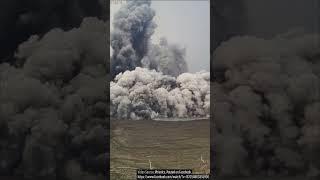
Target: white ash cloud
{"type": "Point", "coordinates": [266, 98]}
{"type": "Point", "coordinates": [133, 27]}
{"type": "Point", "coordinates": [145, 94]}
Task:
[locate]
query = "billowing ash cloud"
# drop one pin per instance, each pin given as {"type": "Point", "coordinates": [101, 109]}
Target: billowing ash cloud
{"type": "Point", "coordinates": [266, 105]}
{"type": "Point", "coordinates": [166, 58]}
{"type": "Point", "coordinates": [53, 102]}
{"type": "Point", "coordinates": [131, 47]}
{"type": "Point", "coordinates": [150, 79]}
{"type": "Point", "coordinates": [144, 94]}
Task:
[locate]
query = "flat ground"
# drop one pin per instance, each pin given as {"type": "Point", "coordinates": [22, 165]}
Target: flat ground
{"type": "Point", "coordinates": [167, 145]}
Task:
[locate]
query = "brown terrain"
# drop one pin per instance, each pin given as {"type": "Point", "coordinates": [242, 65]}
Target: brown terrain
{"type": "Point", "coordinates": [146, 144]}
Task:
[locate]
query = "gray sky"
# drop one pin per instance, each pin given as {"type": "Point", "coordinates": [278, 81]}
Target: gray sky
{"type": "Point", "coordinates": [270, 17]}
{"type": "Point", "coordinates": [186, 23]}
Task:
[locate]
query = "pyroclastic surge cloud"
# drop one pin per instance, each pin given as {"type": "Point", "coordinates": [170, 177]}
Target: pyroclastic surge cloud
{"type": "Point", "coordinates": [53, 102]}
{"type": "Point", "coordinates": [267, 105]}
{"type": "Point", "coordinates": [150, 80]}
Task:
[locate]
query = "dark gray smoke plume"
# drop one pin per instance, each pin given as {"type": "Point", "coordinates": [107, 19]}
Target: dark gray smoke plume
{"type": "Point", "coordinates": [133, 27]}
{"type": "Point", "coordinates": [266, 105]}
{"type": "Point", "coordinates": [53, 105]}
{"type": "Point", "coordinates": [130, 41]}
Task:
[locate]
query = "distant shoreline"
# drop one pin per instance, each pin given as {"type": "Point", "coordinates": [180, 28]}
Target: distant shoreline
{"type": "Point", "coordinates": [180, 119]}
{"type": "Point", "coordinates": [164, 119]}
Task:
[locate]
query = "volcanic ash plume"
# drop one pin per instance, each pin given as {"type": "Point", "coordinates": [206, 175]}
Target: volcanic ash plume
{"type": "Point", "coordinates": [166, 58]}
{"type": "Point", "coordinates": [145, 94]}
{"type": "Point", "coordinates": [267, 98]}
{"type": "Point", "coordinates": [54, 102]}
{"type": "Point", "coordinates": [133, 26]}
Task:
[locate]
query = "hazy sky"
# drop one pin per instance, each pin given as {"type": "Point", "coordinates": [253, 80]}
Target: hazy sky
{"type": "Point", "coordinates": [186, 23]}
{"type": "Point", "coordinates": [269, 17]}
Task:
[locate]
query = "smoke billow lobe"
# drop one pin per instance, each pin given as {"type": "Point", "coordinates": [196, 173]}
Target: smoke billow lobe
{"type": "Point", "coordinates": [266, 105]}
{"type": "Point", "coordinates": [53, 105]}
{"type": "Point", "coordinates": [147, 94]}
{"type": "Point", "coordinates": [166, 58]}
{"type": "Point", "coordinates": [133, 27]}
{"type": "Point", "coordinates": [130, 41]}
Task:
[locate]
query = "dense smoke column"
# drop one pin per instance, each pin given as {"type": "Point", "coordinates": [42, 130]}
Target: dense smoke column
{"type": "Point", "coordinates": [133, 27]}
{"type": "Point", "coordinates": [266, 106]}
{"type": "Point", "coordinates": [52, 89]}
{"type": "Point", "coordinates": [265, 92]}
{"type": "Point", "coordinates": [130, 41]}
{"type": "Point", "coordinates": [21, 19]}
{"type": "Point", "coordinates": [53, 106]}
